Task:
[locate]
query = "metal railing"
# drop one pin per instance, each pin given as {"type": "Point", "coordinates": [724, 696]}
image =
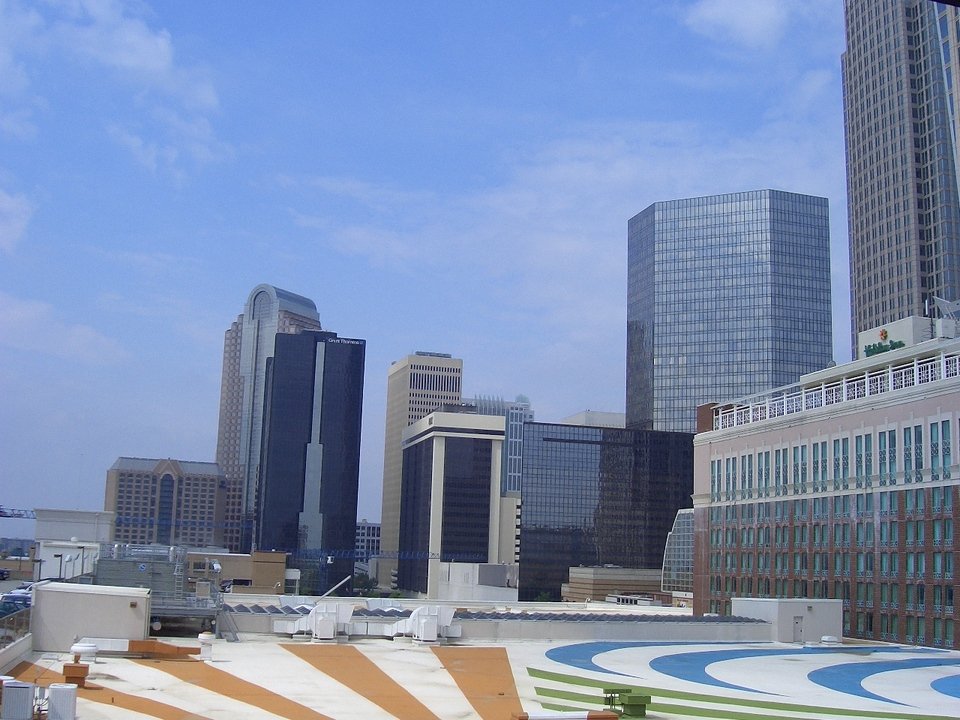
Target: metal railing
{"type": "Point", "coordinates": [798, 398]}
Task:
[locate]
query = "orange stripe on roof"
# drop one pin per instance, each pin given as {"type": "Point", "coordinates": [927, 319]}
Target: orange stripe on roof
{"type": "Point", "coordinates": [485, 677]}
{"type": "Point", "coordinates": [223, 683]}
{"type": "Point", "coordinates": [29, 672]}
{"type": "Point", "coordinates": [350, 667]}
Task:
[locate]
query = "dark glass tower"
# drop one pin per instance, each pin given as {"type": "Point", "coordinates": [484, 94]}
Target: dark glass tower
{"type": "Point", "coordinates": [596, 496]}
{"type": "Point", "coordinates": [727, 296]}
{"type": "Point", "coordinates": [450, 495]}
{"type": "Point", "coordinates": [310, 455]}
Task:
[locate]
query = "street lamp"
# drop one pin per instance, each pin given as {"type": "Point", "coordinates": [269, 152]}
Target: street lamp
{"type": "Point", "coordinates": [60, 574]}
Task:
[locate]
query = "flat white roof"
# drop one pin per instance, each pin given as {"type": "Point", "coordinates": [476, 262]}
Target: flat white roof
{"type": "Point", "coordinates": [78, 589]}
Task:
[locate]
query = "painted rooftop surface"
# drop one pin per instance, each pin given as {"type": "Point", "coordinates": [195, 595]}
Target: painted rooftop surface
{"type": "Point", "coordinates": [261, 677]}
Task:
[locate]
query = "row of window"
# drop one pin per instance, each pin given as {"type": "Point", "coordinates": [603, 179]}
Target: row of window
{"type": "Point", "coordinates": [863, 533]}
{"type": "Point", "coordinates": [907, 502]}
{"type": "Point", "coordinates": [869, 458]}
{"type": "Point", "coordinates": [914, 564]}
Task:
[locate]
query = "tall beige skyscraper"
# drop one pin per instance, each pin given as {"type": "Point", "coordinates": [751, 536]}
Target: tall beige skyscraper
{"type": "Point", "coordinates": [247, 345]}
{"type": "Point", "coordinates": [416, 386]}
{"type": "Point", "coordinates": [901, 72]}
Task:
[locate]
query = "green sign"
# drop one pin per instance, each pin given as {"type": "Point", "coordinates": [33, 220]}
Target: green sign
{"type": "Point", "coordinates": [878, 348]}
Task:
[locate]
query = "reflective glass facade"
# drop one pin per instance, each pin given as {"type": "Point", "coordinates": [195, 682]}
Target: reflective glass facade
{"type": "Point", "coordinates": [900, 72]}
{"type": "Point", "coordinates": [727, 295]}
{"type": "Point", "coordinates": [465, 518]}
{"type": "Point", "coordinates": [310, 459]}
{"type": "Point", "coordinates": [678, 555]}
{"type": "Point", "coordinates": [412, 568]}
{"type": "Point", "coordinates": [596, 496]}
{"type": "Point", "coordinates": [516, 413]}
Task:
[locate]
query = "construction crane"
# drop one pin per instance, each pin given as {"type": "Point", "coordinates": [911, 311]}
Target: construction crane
{"type": "Point", "coordinates": [6, 512]}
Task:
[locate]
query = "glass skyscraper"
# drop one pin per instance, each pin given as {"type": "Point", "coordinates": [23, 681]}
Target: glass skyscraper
{"type": "Point", "coordinates": [310, 457]}
{"type": "Point", "coordinates": [727, 296]}
{"type": "Point", "coordinates": [597, 496]}
{"type": "Point", "coordinates": [900, 72]}
{"type": "Point", "coordinates": [678, 556]}
{"type": "Point", "coordinates": [517, 413]}
{"type": "Point", "coordinates": [247, 346]}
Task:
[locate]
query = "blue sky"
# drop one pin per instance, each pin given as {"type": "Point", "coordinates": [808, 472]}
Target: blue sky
{"type": "Point", "coordinates": [452, 177]}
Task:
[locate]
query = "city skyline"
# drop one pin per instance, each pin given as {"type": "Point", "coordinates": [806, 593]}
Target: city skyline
{"type": "Point", "coordinates": [474, 165]}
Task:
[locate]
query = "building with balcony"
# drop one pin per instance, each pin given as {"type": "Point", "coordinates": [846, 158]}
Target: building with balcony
{"type": "Point", "coordinates": [842, 486]}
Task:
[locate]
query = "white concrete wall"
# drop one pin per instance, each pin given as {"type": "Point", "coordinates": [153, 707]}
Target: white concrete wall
{"type": "Point", "coordinates": [90, 526]}
{"type": "Point", "coordinates": [817, 618]}
{"type": "Point", "coordinates": [501, 630]}
{"type": "Point", "coordinates": [908, 330]}
{"type": "Point", "coordinates": [17, 651]}
{"type": "Point", "coordinates": [77, 558]}
{"type": "Point", "coordinates": [459, 581]}
{"type": "Point", "coordinates": [63, 612]}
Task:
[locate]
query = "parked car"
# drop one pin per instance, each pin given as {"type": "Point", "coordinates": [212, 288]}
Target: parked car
{"type": "Point", "coordinates": [4, 574]}
{"type": "Point", "coordinates": [21, 599]}
{"type": "Point", "coordinates": [8, 608]}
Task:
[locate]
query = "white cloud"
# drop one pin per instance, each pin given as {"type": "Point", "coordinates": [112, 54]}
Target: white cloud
{"type": "Point", "coordinates": [379, 245]}
{"type": "Point", "coordinates": [33, 326]}
{"type": "Point", "coordinates": [194, 134]}
{"type": "Point", "coordinates": [15, 212]}
{"type": "Point", "coordinates": [553, 237]}
{"type": "Point", "coordinates": [755, 24]}
{"type": "Point", "coordinates": [153, 265]}
{"type": "Point", "coordinates": [17, 123]}
{"type": "Point", "coordinates": [169, 308]}
{"type": "Point", "coordinates": [810, 91]}
{"type": "Point", "coordinates": [104, 31]}
{"type": "Point", "coordinates": [373, 196]}
{"type": "Point", "coordinates": [115, 40]}
{"type": "Point", "coordinates": [149, 154]}
{"type": "Point", "coordinates": [18, 30]}
{"type": "Point", "coordinates": [173, 100]}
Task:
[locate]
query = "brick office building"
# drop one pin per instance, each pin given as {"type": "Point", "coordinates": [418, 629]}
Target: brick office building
{"type": "Point", "coordinates": [845, 486]}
